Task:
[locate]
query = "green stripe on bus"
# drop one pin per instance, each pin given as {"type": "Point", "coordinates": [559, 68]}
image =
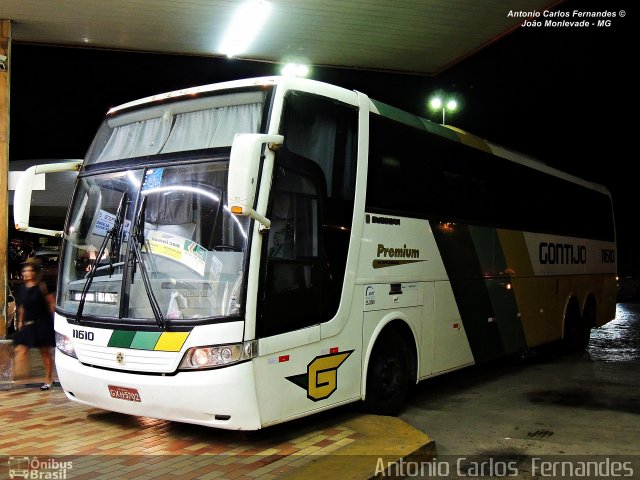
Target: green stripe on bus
{"type": "Point", "coordinates": [528, 290]}
{"type": "Point", "coordinates": [121, 338]}
{"type": "Point", "coordinates": [433, 127]}
{"type": "Point", "coordinates": [164, 341]}
{"type": "Point", "coordinates": [145, 340]}
{"type": "Point", "coordinates": [499, 287]}
{"type": "Point", "coordinates": [398, 115]}
{"type": "Point", "coordinates": [466, 276]}
{"type": "Point", "coordinates": [414, 120]}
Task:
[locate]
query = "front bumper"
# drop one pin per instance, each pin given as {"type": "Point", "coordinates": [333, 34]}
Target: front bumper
{"type": "Point", "coordinates": [221, 398]}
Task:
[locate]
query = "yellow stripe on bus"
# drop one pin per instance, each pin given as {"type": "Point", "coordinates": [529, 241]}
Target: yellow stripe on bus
{"type": "Point", "coordinates": [470, 139]}
{"type": "Point", "coordinates": [515, 252]}
{"type": "Point", "coordinates": [171, 341]}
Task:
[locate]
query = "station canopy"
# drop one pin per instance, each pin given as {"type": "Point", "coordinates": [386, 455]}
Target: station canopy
{"type": "Point", "coordinates": [407, 36]}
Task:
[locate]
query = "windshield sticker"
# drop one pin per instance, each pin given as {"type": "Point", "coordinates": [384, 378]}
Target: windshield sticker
{"type": "Point", "coordinates": [105, 222]}
{"type": "Point", "coordinates": [215, 269]}
{"type": "Point", "coordinates": [178, 248]}
{"type": "Point", "coordinates": [153, 178]}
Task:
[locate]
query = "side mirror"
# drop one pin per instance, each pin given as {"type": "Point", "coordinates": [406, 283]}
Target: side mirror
{"type": "Point", "coordinates": [244, 168]}
{"type": "Point", "coordinates": [24, 189]}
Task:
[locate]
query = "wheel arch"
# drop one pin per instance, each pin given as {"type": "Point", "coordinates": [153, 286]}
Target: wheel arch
{"type": "Point", "coordinates": [401, 324]}
{"type": "Point", "coordinates": [590, 310]}
{"type": "Point", "coordinates": [572, 312]}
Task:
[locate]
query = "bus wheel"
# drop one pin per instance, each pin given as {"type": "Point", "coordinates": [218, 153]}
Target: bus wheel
{"type": "Point", "coordinates": [588, 322]}
{"type": "Point", "coordinates": [387, 375]}
{"type": "Point", "coordinates": [577, 330]}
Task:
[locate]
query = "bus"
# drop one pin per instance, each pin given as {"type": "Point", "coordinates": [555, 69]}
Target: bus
{"type": "Point", "coordinates": [241, 254]}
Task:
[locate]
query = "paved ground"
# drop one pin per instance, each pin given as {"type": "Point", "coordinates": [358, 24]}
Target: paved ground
{"type": "Point", "coordinates": [47, 431]}
{"type": "Point", "coordinates": [581, 405]}
{"type": "Point", "coordinates": [574, 408]}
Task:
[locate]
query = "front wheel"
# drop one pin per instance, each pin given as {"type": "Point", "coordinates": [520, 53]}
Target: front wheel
{"type": "Point", "coordinates": [387, 375]}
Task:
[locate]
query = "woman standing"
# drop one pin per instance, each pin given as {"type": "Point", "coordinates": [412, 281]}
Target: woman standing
{"type": "Point", "coordinates": [35, 321]}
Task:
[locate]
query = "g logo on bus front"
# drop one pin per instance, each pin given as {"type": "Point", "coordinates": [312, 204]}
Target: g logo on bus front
{"type": "Point", "coordinates": [321, 379]}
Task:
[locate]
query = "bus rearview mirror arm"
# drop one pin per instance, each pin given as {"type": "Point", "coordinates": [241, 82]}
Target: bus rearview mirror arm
{"type": "Point", "coordinates": [24, 190]}
{"type": "Point", "coordinates": [244, 168]}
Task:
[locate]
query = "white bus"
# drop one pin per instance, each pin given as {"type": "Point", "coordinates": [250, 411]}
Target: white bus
{"type": "Point", "coordinates": [241, 254]}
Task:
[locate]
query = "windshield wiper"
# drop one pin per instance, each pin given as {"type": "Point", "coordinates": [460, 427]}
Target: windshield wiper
{"type": "Point", "coordinates": [116, 238]}
{"type": "Point", "coordinates": [112, 233]}
{"type": "Point", "coordinates": [137, 240]}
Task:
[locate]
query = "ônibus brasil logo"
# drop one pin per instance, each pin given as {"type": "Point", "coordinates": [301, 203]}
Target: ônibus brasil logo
{"type": "Point", "coordinates": [38, 468]}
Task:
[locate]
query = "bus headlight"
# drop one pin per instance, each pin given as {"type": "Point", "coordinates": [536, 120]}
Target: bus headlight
{"type": "Point", "coordinates": [64, 344]}
{"type": "Point", "coordinates": [216, 356]}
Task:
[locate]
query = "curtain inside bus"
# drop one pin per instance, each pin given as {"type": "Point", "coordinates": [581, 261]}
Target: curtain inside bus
{"type": "Point", "coordinates": [214, 127]}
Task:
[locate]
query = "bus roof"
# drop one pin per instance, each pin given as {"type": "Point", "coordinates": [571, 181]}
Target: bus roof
{"type": "Point", "coordinates": [297, 83]}
{"type": "Point", "coordinates": [376, 106]}
{"type": "Point", "coordinates": [458, 135]}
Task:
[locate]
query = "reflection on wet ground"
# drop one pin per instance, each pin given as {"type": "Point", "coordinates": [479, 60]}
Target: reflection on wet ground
{"type": "Point", "coordinates": [618, 340]}
{"type": "Point", "coordinates": [609, 386]}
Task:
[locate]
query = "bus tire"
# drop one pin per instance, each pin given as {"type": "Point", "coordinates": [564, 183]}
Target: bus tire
{"type": "Point", "coordinates": [588, 321]}
{"type": "Point", "coordinates": [387, 375]}
{"type": "Point", "coordinates": [576, 330]}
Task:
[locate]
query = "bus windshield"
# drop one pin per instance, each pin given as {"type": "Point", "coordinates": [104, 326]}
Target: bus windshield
{"type": "Point", "coordinates": [149, 237]}
{"type": "Point", "coordinates": [154, 238]}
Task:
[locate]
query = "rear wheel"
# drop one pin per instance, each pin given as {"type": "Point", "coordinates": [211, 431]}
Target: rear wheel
{"type": "Point", "coordinates": [387, 375]}
{"type": "Point", "coordinates": [577, 329]}
{"type": "Point", "coordinates": [588, 321]}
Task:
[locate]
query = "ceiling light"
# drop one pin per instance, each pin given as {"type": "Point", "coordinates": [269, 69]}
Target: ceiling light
{"type": "Point", "coordinates": [295, 70]}
{"type": "Point", "coordinates": [245, 26]}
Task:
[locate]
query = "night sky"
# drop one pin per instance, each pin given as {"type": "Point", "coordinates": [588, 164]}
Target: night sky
{"type": "Point", "coordinates": [558, 94]}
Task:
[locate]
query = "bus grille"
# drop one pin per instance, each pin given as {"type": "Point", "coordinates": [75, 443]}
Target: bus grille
{"type": "Point", "coordinates": [129, 359]}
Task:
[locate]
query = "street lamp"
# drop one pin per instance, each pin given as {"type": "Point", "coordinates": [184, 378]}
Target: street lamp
{"type": "Point", "coordinates": [436, 103]}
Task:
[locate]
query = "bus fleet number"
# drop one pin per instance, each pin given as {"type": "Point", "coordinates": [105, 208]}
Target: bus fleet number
{"type": "Point", "coordinates": [83, 335]}
{"type": "Point", "coordinates": [608, 256]}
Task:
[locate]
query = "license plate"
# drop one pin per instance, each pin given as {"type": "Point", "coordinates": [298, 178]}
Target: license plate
{"type": "Point", "coordinates": [124, 393]}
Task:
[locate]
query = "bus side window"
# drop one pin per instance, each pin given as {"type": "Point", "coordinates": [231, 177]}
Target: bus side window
{"type": "Point", "coordinates": [311, 210]}
{"type": "Point", "coordinates": [294, 277]}
{"type": "Point", "coordinates": [402, 177]}
{"type": "Point", "coordinates": [281, 237]}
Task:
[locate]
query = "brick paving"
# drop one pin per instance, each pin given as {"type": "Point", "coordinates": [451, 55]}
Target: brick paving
{"type": "Point", "coordinates": [109, 445]}
{"type": "Point", "coordinates": [44, 426]}
{"type": "Point", "coordinates": [102, 444]}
